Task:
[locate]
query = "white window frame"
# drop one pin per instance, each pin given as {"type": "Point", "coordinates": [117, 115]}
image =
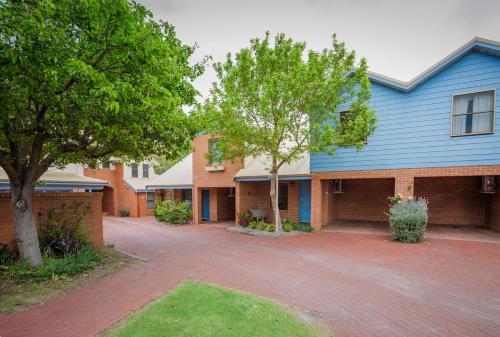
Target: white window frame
{"type": "Point", "coordinates": [475, 91]}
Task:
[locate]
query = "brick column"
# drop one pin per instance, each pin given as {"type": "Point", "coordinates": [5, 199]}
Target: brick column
{"type": "Point", "coordinates": [214, 216]}
{"type": "Point", "coordinates": [316, 201]}
{"type": "Point", "coordinates": [404, 186]}
{"type": "Point", "coordinates": [196, 205]}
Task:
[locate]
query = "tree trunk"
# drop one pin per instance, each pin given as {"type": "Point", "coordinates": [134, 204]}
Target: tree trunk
{"type": "Point", "coordinates": [275, 197]}
{"type": "Point", "coordinates": [24, 218]}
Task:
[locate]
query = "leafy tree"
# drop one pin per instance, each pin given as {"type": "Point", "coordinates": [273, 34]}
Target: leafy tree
{"type": "Point", "coordinates": [83, 81]}
{"type": "Point", "coordinates": [280, 102]}
{"type": "Point", "coordinates": [163, 163]}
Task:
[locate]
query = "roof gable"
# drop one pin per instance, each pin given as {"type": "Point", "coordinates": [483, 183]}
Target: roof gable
{"type": "Point", "coordinates": [476, 44]}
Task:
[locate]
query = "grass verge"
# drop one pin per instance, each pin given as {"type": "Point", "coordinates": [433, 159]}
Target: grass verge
{"type": "Point", "coordinates": [21, 288]}
{"type": "Point", "coordinates": [196, 309]}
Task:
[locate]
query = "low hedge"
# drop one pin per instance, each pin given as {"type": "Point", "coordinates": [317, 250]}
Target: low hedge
{"type": "Point", "coordinates": [173, 212]}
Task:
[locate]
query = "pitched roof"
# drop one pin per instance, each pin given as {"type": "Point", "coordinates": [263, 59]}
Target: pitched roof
{"type": "Point", "coordinates": [476, 44]}
{"type": "Point", "coordinates": [258, 168]}
{"type": "Point", "coordinates": [58, 180]}
{"type": "Point", "coordinates": [178, 176]}
{"type": "Point", "coordinates": [137, 184]}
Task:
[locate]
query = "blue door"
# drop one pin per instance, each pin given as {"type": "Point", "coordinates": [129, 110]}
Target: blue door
{"type": "Point", "coordinates": [305, 202]}
{"type": "Point", "coordinates": [205, 205]}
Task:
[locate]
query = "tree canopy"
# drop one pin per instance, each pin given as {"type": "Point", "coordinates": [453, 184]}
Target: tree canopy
{"type": "Point", "coordinates": [83, 81]}
{"type": "Point", "coordinates": [280, 101]}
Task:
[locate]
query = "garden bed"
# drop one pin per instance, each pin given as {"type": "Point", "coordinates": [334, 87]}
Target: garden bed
{"type": "Point", "coordinates": [20, 291]}
{"type": "Point", "coordinates": [262, 233]}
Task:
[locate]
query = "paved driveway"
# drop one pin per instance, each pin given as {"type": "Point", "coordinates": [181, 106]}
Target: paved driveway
{"type": "Point", "coordinates": [361, 284]}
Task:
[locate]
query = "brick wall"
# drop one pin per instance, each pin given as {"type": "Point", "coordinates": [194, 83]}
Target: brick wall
{"type": "Point", "coordinates": [256, 195]}
{"type": "Point", "coordinates": [453, 200]}
{"type": "Point", "coordinates": [405, 185]}
{"type": "Point", "coordinates": [42, 202]}
{"type": "Point", "coordinates": [363, 200]}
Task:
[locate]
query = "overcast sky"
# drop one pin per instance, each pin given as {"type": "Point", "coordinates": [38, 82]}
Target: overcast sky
{"type": "Point", "coordinates": [399, 38]}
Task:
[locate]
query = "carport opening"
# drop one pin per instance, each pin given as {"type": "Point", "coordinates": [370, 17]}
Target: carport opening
{"type": "Point", "coordinates": [359, 202]}
{"type": "Point", "coordinates": [458, 201]}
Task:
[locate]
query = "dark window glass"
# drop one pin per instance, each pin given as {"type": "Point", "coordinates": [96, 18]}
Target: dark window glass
{"type": "Point", "coordinates": [151, 199]}
{"type": "Point", "coordinates": [106, 165]}
{"type": "Point", "coordinates": [145, 170]}
{"type": "Point", "coordinates": [135, 170]}
{"type": "Point", "coordinates": [282, 197]}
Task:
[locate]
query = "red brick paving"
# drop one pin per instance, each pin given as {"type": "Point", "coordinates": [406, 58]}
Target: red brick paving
{"type": "Point", "coordinates": [362, 285]}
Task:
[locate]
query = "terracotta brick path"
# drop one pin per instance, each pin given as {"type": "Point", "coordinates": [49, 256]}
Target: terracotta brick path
{"type": "Point", "coordinates": [361, 284]}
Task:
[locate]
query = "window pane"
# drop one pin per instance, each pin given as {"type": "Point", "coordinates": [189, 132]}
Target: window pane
{"type": "Point", "coordinates": [106, 165]}
{"type": "Point", "coordinates": [283, 197]}
{"type": "Point", "coordinates": [145, 170]}
{"type": "Point", "coordinates": [215, 154]}
{"type": "Point", "coordinates": [150, 199]}
{"type": "Point", "coordinates": [473, 113]}
{"type": "Point", "coordinates": [135, 170]}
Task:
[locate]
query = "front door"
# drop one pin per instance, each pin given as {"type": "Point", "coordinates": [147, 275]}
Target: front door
{"type": "Point", "coordinates": [305, 202]}
{"type": "Point", "coordinates": [205, 205]}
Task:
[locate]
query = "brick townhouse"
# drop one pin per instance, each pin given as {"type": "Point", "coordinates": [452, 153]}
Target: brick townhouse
{"type": "Point", "coordinates": [126, 188]}
{"type": "Point", "coordinates": [436, 138]}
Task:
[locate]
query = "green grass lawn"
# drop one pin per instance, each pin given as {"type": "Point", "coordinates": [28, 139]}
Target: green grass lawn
{"type": "Point", "coordinates": [201, 310]}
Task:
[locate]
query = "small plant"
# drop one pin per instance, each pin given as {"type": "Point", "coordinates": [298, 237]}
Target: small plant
{"type": "Point", "coordinates": [244, 218]}
{"type": "Point", "coordinates": [271, 228]}
{"type": "Point", "coordinates": [393, 200]}
{"type": "Point", "coordinates": [172, 212]}
{"type": "Point", "coordinates": [287, 227]}
{"type": "Point", "coordinates": [63, 233]}
{"type": "Point", "coordinates": [306, 228]}
{"type": "Point", "coordinates": [124, 212]}
{"type": "Point", "coordinates": [262, 225]}
{"type": "Point", "coordinates": [253, 225]}
{"type": "Point", "coordinates": [7, 255]}
{"type": "Point", "coordinates": [408, 220]}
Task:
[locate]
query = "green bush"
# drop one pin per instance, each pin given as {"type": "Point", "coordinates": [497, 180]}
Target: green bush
{"type": "Point", "coordinates": [407, 220]}
{"type": "Point", "coordinates": [306, 228]}
{"type": "Point", "coordinates": [253, 225]}
{"type": "Point", "coordinates": [244, 218]}
{"type": "Point", "coordinates": [73, 263]}
{"type": "Point", "coordinates": [173, 212]}
{"type": "Point", "coordinates": [262, 225]}
{"type": "Point", "coordinates": [7, 255]}
{"type": "Point", "coordinates": [63, 231]}
{"type": "Point", "coordinates": [124, 212]}
{"type": "Point", "coordinates": [296, 226]}
{"type": "Point", "coordinates": [287, 227]}
{"type": "Point", "coordinates": [271, 228]}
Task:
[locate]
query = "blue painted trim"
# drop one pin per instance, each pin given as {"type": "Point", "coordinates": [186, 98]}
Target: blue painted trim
{"type": "Point", "coordinates": [168, 187]}
{"type": "Point", "coordinates": [281, 178]}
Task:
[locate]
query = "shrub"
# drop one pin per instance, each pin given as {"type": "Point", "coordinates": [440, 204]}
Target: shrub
{"type": "Point", "coordinates": [407, 220]}
{"type": "Point", "coordinates": [244, 218]}
{"type": "Point", "coordinates": [63, 232]}
{"type": "Point", "coordinates": [287, 227]}
{"type": "Point", "coordinates": [394, 199]}
{"type": "Point", "coordinates": [7, 255]}
{"type": "Point", "coordinates": [306, 228]}
{"type": "Point", "coordinates": [124, 212]}
{"type": "Point", "coordinates": [262, 225]}
{"type": "Point", "coordinates": [253, 225]}
{"type": "Point", "coordinates": [173, 212]}
{"type": "Point", "coordinates": [271, 228]}
{"type": "Point", "coordinates": [73, 263]}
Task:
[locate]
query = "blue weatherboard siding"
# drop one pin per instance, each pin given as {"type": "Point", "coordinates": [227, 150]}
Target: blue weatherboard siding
{"type": "Point", "coordinates": [414, 127]}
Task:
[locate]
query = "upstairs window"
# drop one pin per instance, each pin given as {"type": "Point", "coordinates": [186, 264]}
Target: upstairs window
{"type": "Point", "coordinates": [106, 165]}
{"type": "Point", "coordinates": [215, 154]}
{"type": "Point", "coordinates": [135, 170]}
{"type": "Point", "coordinates": [145, 170]}
{"type": "Point", "coordinates": [473, 113]}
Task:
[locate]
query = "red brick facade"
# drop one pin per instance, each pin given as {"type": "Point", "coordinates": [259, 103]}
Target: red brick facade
{"type": "Point", "coordinates": [43, 202]}
{"type": "Point", "coordinates": [217, 182]}
{"type": "Point", "coordinates": [119, 194]}
{"type": "Point", "coordinates": [452, 192]}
